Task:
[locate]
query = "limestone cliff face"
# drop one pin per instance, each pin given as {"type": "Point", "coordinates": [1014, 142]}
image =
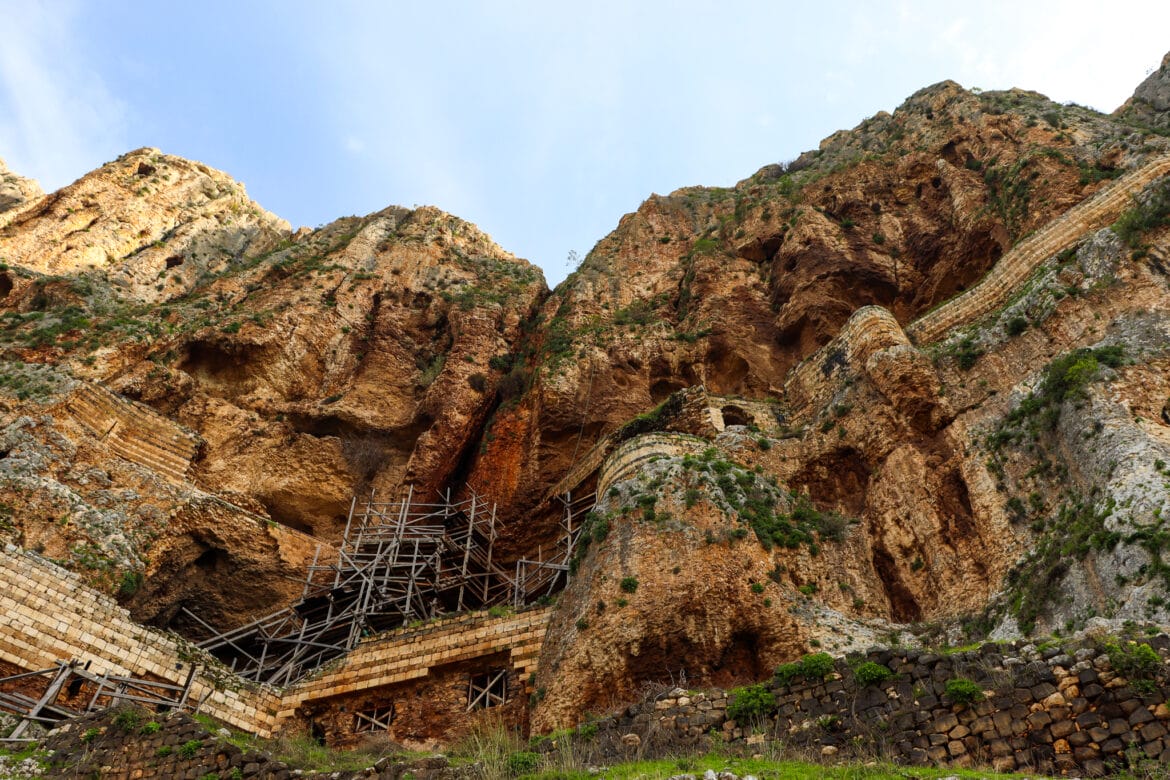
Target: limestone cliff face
{"type": "Point", "coordinates": [1150, 102]}
{"type": "Point", "coordinates": [15, 190]}
{"type": "Point", "coordinates": [352, 358]}
{"type": "Point", "coordinates": [150, 224]}
{"type": "Point", "coordinates": [843, 480]}
{"type": "Point", "coordinates": [730, 288]}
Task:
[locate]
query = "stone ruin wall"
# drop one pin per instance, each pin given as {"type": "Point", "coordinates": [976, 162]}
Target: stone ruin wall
{"type": "Point", "coordinates": [811, 385]}
{"type": "Point", "coordinates": [1051, 711]}
{"type": "Point", "coordinates": [422, 673]}
{"type": "Point", "coordinates": [631, 455]}
{"type": "Point", "coordinates": [49, 615]}
{"type": "Point", "coordinates": [1014, 268]}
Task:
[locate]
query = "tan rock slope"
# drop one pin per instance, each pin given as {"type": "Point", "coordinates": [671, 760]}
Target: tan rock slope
{"type": "Point", "coordinates": [917, 376]}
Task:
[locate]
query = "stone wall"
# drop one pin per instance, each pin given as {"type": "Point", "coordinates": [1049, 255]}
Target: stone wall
{"type": "Point", "coordinates": [49, 615]}
{"type": "Point", "coordinates": [1050, 711]}
{"type": "Point", "coordinates": [811, 384]}
{"type": "Point", "coordinates": [127, 743]}
{"type": "Point", "coordinates": [134, 431]}
{"type": "Point", "coordinates": [1017, 265]}
{"type": "Point", "coordinates": [630, 456]}
{"type": "Point", "coordinates": [379, 671]}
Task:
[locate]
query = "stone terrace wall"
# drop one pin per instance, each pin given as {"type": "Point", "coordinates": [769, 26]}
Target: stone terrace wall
{"type": "Point", "coordinates": [114, 745]}
{"type": "Point", "coordinates": [47, 615]}
{"type": "Point", "coordinates": [134, 431]}
{"type": "Point", "coordinates": [1018, 264]}
{"type": "Point", "coordinates": [409, 654]}
{"type": "Point", "coordinates": [1047, 712]}
{"type": "Point", "coordinates": [628, 458]}
{"type": "Point", "coordinates": [811, 384]}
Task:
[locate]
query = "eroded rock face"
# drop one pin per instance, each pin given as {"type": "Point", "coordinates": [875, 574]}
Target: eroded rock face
{"type": "Point", "coordinates": [354, 358]}
{"type": "Point", "coordinates": [1150, 102]}
{"type": "Point", "coordinates": [849, 478]}
{"type": "Point", "coordinates": [154, 225]}
{"type": "Point", "coordinates": [15, 191]}
{"type": "Point", "coordinates": [159, 545]}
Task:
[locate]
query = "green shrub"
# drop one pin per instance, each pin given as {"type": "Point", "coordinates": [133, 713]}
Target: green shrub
{"type": "Point", "coordinates": [90, 735]}
{"type": "Point", "coordinates": [150, 727]}
{"type": "Point", "coordinates": [757, 587]}
{"type": "Point", "coordinates": [870, 673]}
{"type": "Point", "coordinates": [523, 762]}
{"type": "Point", "coordinates": [960, 690]}
{"type": "Point", "coordinates": [967, 352]}
{"type": "Point", "coordinates": [127, 720]}
{"type": "Point", "coordinates": [130, 584]}
{"type": "Point", "coordinates": [164, 751]}
{"type": "Point", "coordinates": [816, 666]}
{"type": "Point", "coordinates": [750, 703]}
{"type": "Point", "coordinates": [629, 584]}
{"type": "Point", "coordinates": [502, 363]}
{"type": "Point", "coordinates": [1016, 325]}
{"type": "Point", "coordinates": [1132, 225]}
{"type": "Point", "coordinates": [189, 748]}
{"type": "Point", "coordinates": [786, 673]}
{"type": "Point", "coordinates": [1134, 660]}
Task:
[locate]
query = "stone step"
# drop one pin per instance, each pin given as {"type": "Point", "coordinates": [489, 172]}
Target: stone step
{"type": "Point", "coordinates": [135, 432]}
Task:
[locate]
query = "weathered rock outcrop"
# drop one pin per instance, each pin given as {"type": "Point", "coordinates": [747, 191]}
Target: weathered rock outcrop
{"type": "Point", "coordinates": [1150, 102]}
{"type": "Point", "coordinates": [151, 224]}
{"type": "Point", "coordinates": [15, 190]}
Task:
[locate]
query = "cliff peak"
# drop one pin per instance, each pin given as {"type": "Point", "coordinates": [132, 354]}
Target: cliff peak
{"type": "Point", "coordinates": [16, 190]}
{"type": "Point", "coordinates": [139, 218]}
{"type": "Point", "coordinates": [1150, 102]}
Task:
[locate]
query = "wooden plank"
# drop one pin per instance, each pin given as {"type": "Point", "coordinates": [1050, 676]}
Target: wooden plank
{"type": "Point", "coordinates": [55, 686]}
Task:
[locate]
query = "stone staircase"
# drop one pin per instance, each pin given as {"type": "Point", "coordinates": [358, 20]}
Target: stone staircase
{"type": "Point", "coordinates": [1014, 268]}
{"type": "Point", "coordinates": [134, 431]}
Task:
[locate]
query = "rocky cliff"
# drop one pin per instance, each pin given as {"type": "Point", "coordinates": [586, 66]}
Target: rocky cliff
{"type": "Point", "coordinates": [15, 190]}
{"type": "Point", "coordinates": [839, 480]}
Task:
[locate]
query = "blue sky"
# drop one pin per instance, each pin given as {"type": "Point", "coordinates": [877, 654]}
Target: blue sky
{"type": "Point", "coordinates": [541, 122]}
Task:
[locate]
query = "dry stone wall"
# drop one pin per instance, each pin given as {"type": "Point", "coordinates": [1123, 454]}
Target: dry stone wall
{"type": "Point", "coordinates": [629, 458]}
{"type": "Point", "coordinates": [1052, 711]}
{"type": "Point", "coordinates": [812, 383]}
{"type": "Point", "coordinates": [134, 431]}
{"type": "Point", "coordinates": [126, 744]}
{"type": "Point", "coordinates": [410, 653]}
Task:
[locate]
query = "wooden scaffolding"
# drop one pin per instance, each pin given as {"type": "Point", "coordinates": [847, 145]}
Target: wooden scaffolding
{"type": "Point", "coordinates": [72, 689]}
{"type": "Point", "coordinates": [399, 562]}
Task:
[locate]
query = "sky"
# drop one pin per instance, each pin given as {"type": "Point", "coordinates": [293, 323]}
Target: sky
{"type": "Point", "coordinates": [541, 122]}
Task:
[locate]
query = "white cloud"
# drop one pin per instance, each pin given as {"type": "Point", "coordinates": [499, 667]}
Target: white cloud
{"type": "Point", "coordinates": [57, 118]}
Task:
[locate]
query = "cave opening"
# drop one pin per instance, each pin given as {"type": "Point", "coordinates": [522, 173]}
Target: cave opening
{"type": "Point", "coordinates": [739, 662]}
{"type": "Point", "coordinates": [734, 415]}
